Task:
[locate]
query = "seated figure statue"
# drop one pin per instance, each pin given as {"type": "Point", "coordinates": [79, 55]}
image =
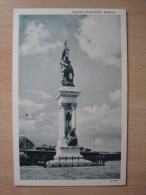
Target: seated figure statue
{"type": "Point", "coordinates": [66, 68]}
{"type": "Point", "coordinates": [72, 138]}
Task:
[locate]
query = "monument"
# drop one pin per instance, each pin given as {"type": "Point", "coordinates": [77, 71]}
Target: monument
{"type": "Point", "coordinates": [67, 150]}
{"type": "Point", "coordinates": [66, 96]}
{"type": "Point", "coordinates": [67, 142]}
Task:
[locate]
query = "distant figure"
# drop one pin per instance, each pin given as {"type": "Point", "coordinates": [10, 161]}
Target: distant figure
{"type": "Point", "coordinates": [66, 68]}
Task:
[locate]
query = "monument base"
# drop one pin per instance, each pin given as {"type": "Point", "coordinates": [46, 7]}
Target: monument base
{"type": "Point", "coordinates": [70, 162]}
{"type": "Point", "coordinates": [70, 151]}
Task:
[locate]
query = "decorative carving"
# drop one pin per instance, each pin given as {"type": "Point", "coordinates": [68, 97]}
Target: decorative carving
{"type": "Point", "coordinates": [64, 105]}
{"type": "Point", "coordinates": [69, 106]}
{"type": "Point", "coordinates": [74, 105]}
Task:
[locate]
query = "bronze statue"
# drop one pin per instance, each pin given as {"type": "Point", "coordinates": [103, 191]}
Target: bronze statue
{"type": "Point", "coordinates": [72, 138]}
{"type": "Point", "coordinates": [66, 68]}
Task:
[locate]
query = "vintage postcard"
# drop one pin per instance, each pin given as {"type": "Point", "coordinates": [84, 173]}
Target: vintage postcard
{"type": "Point", "coordinates": [69, 97]}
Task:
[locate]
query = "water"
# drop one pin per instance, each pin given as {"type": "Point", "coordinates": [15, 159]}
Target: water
{"type": "Point", "coordinates": [111, 170]}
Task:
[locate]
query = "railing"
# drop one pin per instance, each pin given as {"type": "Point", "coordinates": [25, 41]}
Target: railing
{"type": "Point", "coordinates": [74, 162]}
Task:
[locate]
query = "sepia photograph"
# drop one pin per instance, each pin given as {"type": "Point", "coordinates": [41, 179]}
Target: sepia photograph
{"type": "Point", "coordinates": [69, 97]}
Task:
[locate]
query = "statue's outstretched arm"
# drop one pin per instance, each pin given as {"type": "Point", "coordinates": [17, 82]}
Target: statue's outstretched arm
{"type": "Point", "coordinates": [63, 63]}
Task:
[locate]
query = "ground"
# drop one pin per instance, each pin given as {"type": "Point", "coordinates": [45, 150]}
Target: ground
{"type": "Point", "coordinates": [111, 170]}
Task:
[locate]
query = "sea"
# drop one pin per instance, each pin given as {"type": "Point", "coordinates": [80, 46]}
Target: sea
{"type": "Point", "coordinates": [111, 170]}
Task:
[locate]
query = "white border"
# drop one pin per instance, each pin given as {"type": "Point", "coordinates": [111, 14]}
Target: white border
{"type": "Point", "coordinates": [95, 182]}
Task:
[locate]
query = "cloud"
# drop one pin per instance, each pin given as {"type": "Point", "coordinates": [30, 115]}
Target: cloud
{"type": "Point", "coordinates": [64, 33]}
{"type": "Point", "coordinates": [98, 142]}
{"type": "Point", "coordinates": [23, 124]}
{"type": "Point", "coordinates": [99, 117]}
{"type": "Point", "coordinates": [48, 118]}
{"type": "Point", "coordinates": [42, 128]}
{"type": "Point", "coordinates": [41, 94]}
{"type": "Point", "coordinates": [29, 106]}
{"type": "Point", "coordinates": [103, 122]}
{"type": "Point", "coordinates": [37, 40]}
{"type": "Point", "coordinates": [116, 96]}
{"type": "Point", "coordinates": [99, 37]}
{"type": "Point", "coordinates": [100, 122]}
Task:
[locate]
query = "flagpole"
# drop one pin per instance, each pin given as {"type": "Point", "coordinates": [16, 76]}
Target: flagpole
{"type": "Point", "coordinates": [94, 143]}
{"type": "Point", "coordinates": [27, 116]}
{"type": "Point", "coordinates": [25, 131]}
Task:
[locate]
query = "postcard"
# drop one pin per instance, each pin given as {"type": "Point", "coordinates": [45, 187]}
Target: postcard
{"type": "Point", "coordinates": [69, 97]}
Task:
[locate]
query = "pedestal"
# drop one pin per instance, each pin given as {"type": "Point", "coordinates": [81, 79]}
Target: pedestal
{"type": "Point", "coordinates": [67, 101]}
{"type": "Point", "coordinates": [68, 150]}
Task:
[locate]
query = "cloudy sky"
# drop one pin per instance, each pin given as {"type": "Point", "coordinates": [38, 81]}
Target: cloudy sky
{"type": "Point", "coordinates": [95, 44]}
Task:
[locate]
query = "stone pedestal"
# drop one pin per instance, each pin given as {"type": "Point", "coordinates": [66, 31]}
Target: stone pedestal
{"type": "Point", "coordinates": [67, 153]}
{"type": "Point", "coordinates": [67, 101]}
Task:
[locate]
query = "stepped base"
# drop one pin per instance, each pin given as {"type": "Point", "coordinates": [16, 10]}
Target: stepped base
{"type": "Point", "coordinates": [71, 162]}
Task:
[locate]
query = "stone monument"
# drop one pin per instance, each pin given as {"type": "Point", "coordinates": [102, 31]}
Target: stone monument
{"type": "Point", "coordinates": [67, 142]}
{"type": "Point", "coordinates": [67, 150]}
{"type": "Point", "coordinates": [67, 100]}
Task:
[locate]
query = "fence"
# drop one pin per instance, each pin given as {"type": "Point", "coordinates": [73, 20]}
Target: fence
{"type": "Point", "coordinates": [74, 162]}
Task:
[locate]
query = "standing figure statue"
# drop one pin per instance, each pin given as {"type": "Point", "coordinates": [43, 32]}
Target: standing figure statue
{"type": "Point", "coordinates": [66, 68]}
